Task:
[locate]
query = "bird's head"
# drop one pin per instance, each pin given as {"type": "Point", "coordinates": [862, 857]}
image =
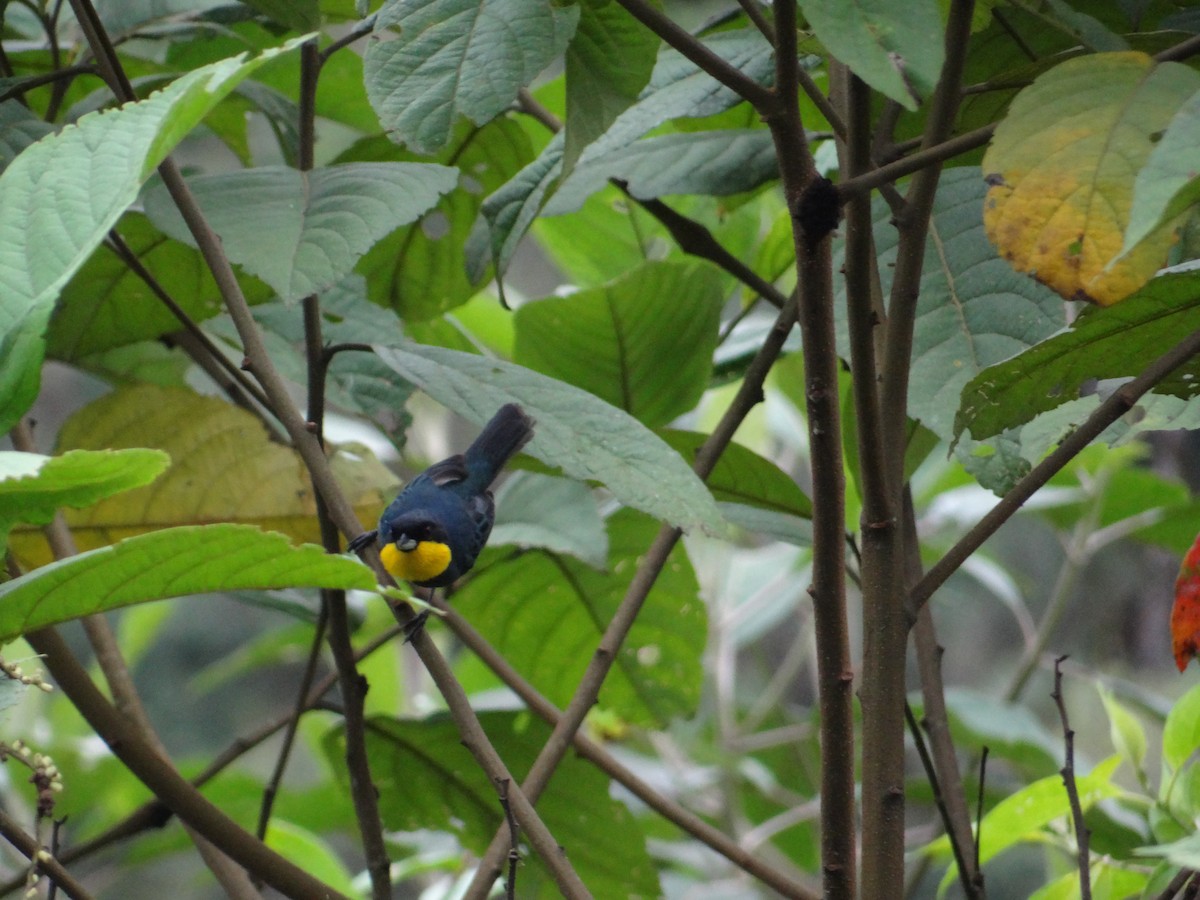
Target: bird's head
{"type": "Point", "coordinates": [417, 548]}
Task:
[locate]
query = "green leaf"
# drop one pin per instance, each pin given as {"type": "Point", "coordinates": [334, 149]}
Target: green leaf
{"type": "Point", "coordinates": [458, 57]}
{"type": "Point", "coordinates": [106, 305]}
{"type": "Point", "coordinates": [613, 340]}
{"type": "Point", "coordinates": [1022, 816]}
{"type": "Point", "coordinates": [173, 562]}
{"type": "Point", "coordinates": [1181, 733]}
{"type": "Point", "coordinates": [742, 476]}
{"type": "Point", "coordinates": [608, 62]}
{"type": "Point", "coordinates": [556, 514]}
{"type": "Point", "coordinates": [719, 163]}
{"type": "Point", "coordinates": [308, 850]}
{"type": "Point", "coordinates": [33, 487]}
{"type": "Point", "coordinates": [1009, 731]}
{"type": "Point", "coordinates": [420, 271]}
{"type": "Point", "coordinates": [19, 128]}
{"type": "Point", "coordinates": [428, 779]}
{"type": "Point", "coordinates": [299, 15]}
{"type": "Point", "coordinates": [546, 614]}
{"type": "Point", "coordinates": [974, 310]}
{"type": "Point", "coordinates": [1167, 184]}
{"type": "Point", "coordinates": [677, 88]}
{"type": "Point", "coordinates": [1110, 343]}
{"type": "Point", "coordinates": [1127, 734]}
{"type": "Point", "coordinates": [46, 233]}
{"type": "Point", "coordinates": [576, 431]}
{"type": "Point", "coordinates": [302, 232]}
{"type": "Point", "coordinates": [1184, 853]}
{"type": "Point", "coordinates": [895, 48]}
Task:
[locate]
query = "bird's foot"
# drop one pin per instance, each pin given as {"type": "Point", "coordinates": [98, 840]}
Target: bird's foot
{"type": "Point", "coordinates": [415, 625]}
{"type": "Point", "coordinates": [366, 539]}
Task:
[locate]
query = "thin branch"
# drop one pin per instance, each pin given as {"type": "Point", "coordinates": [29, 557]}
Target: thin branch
{"type": "Point", "coordinates": [1082, 833]}
{"type": "Point", "coordinates": [652, 563]}
{"type": "Point", "coordinates": [754, 13]}
{"type": "Point", "coordinates": [38, 857]}
{"type": "Point", "coordinates": [1116, 405]}
{"type": "Point", "coordinates": [1182, 50]}
{"type": "Point", "coordinates": [915, 162]}
{"type": "Point", "coordinates": [361, 30]}
{"type": "Point", "coordinates": [835, 675]}
{"type": "Point", "coordinates": [603, 760]}
{"type": "Point", "coordinates": [34, 81]}
{"type": "Point", "coordinates": [763, 99]}
{"type": "Point", "coordinates": [128, 745]}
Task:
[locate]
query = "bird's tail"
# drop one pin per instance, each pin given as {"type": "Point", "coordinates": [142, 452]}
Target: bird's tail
{"type": "Point", "coordinates": [509, 430]}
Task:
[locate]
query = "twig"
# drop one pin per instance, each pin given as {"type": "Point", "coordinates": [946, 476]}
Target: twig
{"type": "Point", "coordinates": [53, 868]}
{"type": "Point", "coordinates": [1082, 833]}
{"type": "Point", "coordinates": [948, 149]}
{"type": "Point", "coordinates": [763, 99]}
{"type": "Point", "coordinates": [983, 756]}
{"type": "Point", "coordinates": [128, 745]}
{"type": "Point", "coordinates": [931, 774]}
{"type": "Point", "coordinates": [514, 854]}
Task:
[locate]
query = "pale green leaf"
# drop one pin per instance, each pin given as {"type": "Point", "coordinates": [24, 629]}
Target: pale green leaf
{"type": "Point", "coordinates": [173, 562]}
{"type": "Point", "coordinates": [33, 487]}
{"type": "Point", "coordinates": [1126, 732]}
{"type": "Point", "coordinates": [458, 57]}
{"type": "Point", "coordinates": [576, 431]}
{"type": "Point", "coordinates": [608, 62]}
{"type": "Point", "coordinates": [1168, 184]}
{"type": "Point", "coordinates": [718, 163]}
{"type": "Point", "coordinates": [896, 48]}
{"type": "Point", "coordinates": [1181, 734]}
{"type": "Point", "coordinates": [302, 232]}
{"type": "Point", "coordinates": [556, 514]}
{"type": "Point", "coordinates": [60, 196]}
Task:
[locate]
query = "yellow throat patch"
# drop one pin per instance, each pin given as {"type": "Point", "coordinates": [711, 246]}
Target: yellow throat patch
{"type": "Point", "coordinates": [427, 560]}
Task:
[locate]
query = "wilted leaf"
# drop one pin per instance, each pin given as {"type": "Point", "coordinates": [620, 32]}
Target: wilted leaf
{"type": "Point", "coordinates": [173, 562]}
{"type": "Point", "coordinates": [224, 469]}
{"type": "Point", "coordinates": [1185, 614]}
{"type": "Point", "coordinates": [576, 431]}
{"type": "Point", "coordinates": [1062, 166]}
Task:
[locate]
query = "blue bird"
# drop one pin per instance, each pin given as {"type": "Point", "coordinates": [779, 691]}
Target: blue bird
{"type": "Point", "coordinates": [432, 533]}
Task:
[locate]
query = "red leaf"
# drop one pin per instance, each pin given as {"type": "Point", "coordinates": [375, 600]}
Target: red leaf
{"type": "Point", "coordinates": [1185, 615]}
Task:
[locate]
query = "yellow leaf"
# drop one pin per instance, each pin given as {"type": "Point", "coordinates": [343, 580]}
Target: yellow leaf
{"type": "Point", "coordinates": [224, 468]}
{"type": "Point", "coordinates": [1062, 166]}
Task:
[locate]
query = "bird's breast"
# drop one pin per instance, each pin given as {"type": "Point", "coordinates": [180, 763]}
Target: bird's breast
{"type": "Point", "coordinates": [426, 561]}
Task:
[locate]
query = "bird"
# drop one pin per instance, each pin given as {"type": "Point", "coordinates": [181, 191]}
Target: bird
{"type": "Point", "coordinates": [432, 533]}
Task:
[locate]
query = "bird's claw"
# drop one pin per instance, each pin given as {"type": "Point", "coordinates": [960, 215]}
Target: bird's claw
{"type": "Point", "coordinates": [363, 540]}
{"type": "Point", "coordinates": [415, 625]}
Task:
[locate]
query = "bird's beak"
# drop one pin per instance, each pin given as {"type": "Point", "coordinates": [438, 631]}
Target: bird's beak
{"type": "Point", "coordinates": [405, 543]}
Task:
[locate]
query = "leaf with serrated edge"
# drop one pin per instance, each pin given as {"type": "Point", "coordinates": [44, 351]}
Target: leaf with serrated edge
{"type": "Point", "coordinates": [458, 57]}
{"type": "Point", "coordinates": [974, 310]}
{"type": "Point", "coordinates": [576, 431]}
{"type": "Point", "coordinates": [46, 228]}
{"type": "Point", "coordinates": [302, 232]}
{"type": "Point", "coordinates": [170, 563]}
